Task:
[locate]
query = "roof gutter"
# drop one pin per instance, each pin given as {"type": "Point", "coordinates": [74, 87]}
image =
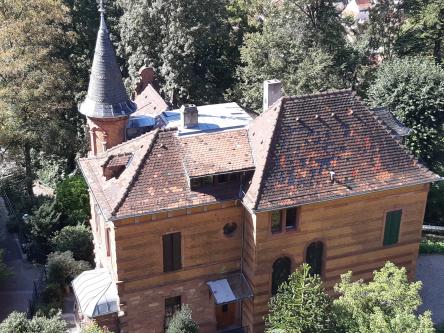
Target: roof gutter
{"type": "Point", "coordinates": [347, 196]}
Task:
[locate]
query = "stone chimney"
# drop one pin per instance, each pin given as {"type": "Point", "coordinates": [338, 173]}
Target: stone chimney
{"type": "Point", "coordinates": [189, 116]}
{"type": "Point", "coordinates": [272, 92]}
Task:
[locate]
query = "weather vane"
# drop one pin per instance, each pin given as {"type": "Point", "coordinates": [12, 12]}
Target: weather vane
{"type": "Point", "coordinates": [102, 6]}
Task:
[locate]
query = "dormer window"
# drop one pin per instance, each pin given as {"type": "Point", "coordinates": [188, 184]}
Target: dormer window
{"type": "Point", "coordinates": [115, 165]}
{"type": "Point", "coordinates": [225, 178]}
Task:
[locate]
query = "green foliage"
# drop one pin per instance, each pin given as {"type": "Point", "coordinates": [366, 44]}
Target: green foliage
{"type": "Point", "coordinates": [77, 239]}
{"type": "Point", "coordinates": [413, 89]}
{"type": "Point", "coordinates": [72, 200]}
{"type": "Point", "coordinates": [182, 322]}
{"type": "Point", "coordinates": [422, 31]}
{"type": "Point", "coordinates": [39, 228]}
{"type": "Point", "coordinates": [62, 268]}
{"type": "Point", "coordinates": [4, 270]}
{"type": "Point", "coordinates": [435, 208]}
{"type": "Point", "coordinates": [51, 299]}
{"type": "Point", "coordinates": [35, 95]}
{"type": "Point", "coordinates": [92, 327]}
{"type": "Point", "coordinates": [385, 24]}
{"type": "Point", "coordinates": [386, 304]}
{"type": "Point", "coordinates": [51, 169]}
{"type": "Point", "coordinates": [17, 322]}
{"type": "Point", "coordinates": [301, 43]}
{"type": "Point", "coordinates": [429, 246]}
{"type": "Point", "coordinates": [188, 42]}
{"type": "Point", "coordinates": [300, 306]}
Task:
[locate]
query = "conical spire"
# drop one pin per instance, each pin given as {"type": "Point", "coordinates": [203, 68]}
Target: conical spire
{"type": "Point", "coordinates": [107, 97]}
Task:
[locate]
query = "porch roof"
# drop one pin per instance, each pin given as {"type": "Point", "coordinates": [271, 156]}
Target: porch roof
{"type": "Point", "coordinates": [232, 288]}
{"type": "Point", "coordinates": [96, 293]}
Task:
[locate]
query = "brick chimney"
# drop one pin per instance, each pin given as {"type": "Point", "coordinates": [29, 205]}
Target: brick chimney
{"type": "Point", "coordinates": [272, 92]}
{"type": "Point", "coordinates": [146, 77]}
{"type": "Point", "coordinates": [189, 116]}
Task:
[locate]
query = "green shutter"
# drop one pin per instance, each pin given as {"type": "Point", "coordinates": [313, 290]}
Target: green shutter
{"type": "Point", "coordinates": [392, 226]}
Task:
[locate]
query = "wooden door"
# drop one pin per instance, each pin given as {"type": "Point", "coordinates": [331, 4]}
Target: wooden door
{"type": "Point", "coordinates": [225, 315]}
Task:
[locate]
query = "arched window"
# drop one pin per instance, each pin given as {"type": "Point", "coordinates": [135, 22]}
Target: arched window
{"type": "Point", "coordinates": [281, 272]}
{"type": "Point", "coordinates": [314, 256]}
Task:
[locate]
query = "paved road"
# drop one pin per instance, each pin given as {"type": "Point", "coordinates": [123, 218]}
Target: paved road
{"type": "Point", "coordinates": [430, 270]}
{"type": "Point", "coordinates": [16, 290]}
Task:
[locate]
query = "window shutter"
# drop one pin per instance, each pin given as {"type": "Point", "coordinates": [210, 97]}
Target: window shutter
{"type": "Point", "coordinates": [177, 251]}
{"type": "Point", "coordinates": [167, 253]}
{"type": "Point", "coordinates": [392, 227]}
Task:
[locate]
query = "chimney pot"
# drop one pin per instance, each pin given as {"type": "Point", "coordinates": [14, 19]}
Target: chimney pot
{"type": "Point", "coordinates": [189, 116]}
{"type": "Point", "coordinates": [272, 92]}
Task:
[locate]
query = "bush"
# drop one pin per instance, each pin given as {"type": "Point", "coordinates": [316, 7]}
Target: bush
{"type": "Point", "coordinates": [301, 305]}
{"type": "Point", "coordinates": [52, 296]}
{"type": "Point", "coordinates": [77, 239]}
{"type": "Point", "coordinates": [92, 327]}
{"type": "Point", "coordinates": [182, 322]}
{"type": "Point", "coordinates": [389, 303]}
{"type": "Point", "coordinates": [62, 268]}
{"type": "Point", "coordinates": [18, 323]}
{"type": "Point", "coordinates": [428, 246]}
{"type": "Point", "coordinates": [72, 200]}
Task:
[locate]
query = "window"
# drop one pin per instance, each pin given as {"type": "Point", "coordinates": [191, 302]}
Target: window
{"type": "Point", "coordinates": [108, 251]}
{"type": "Point", "coordinates": [392, 226]}
{"type": "Point", "coordinates": [314, 256]}
{"type": "Point", "coordinates": [225, 308]}
{"type": "Point", "coordinates": [276, 221]}
{"type": "Point", "coordinates": [172, 305]}
{"type": "Point", "coordinates": [222, 178]}
{"type": "Point", "coordinates": [229, 228]}
{"type": "Point", "coordinates": [172, 257]}
{"type": "Point", "coordinates": [208, 180]}
{"type": "Point", "coordinates": [280, 274]}
{"type": "Point", "coordinates": [195, 183]}
{"type": "Point", "coordinates": [290, 218]}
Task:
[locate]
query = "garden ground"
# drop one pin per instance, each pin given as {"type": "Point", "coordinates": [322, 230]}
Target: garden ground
{"type": "Point", "coordinates": [430, 270]}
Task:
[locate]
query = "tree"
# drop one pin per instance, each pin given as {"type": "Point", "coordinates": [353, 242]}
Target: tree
{"type": "Point", "coordinates": [301, 305]}
{"type": "Point", "coordinates": [299, 41]}
{"type": "Point", "coordinates": [388, 303]}
{"type": "Point", "coordinates": [62, 268]}
{"type": "Point", "coordinates": [35, 94]}
{"type": "Point", "coordinates": [72, 200]}
{"type": "Point", "coordinates": [187, 42]}
{"type": "Point", "coordinates": [17, 322]}
{"type": "Point", "coordinates": [77, 239]}
{"type": "Point", "coordinates": [423, 30]}
{"type": "Point", "coordinates": [39, 228]}
{"type": "Point", "coordinates": [182, 322]}
{"type": "Point", "coordinates": [386, 17]}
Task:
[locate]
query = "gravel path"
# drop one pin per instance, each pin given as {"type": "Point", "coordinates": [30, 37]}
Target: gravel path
{"type": "Point", "coordinates": [15, 290]}
{"type": "Point", "coordinates": [430, 270]}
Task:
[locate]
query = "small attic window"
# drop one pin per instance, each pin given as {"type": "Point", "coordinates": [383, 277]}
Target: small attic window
{"type": "Point", "coordinates": [115, 165]}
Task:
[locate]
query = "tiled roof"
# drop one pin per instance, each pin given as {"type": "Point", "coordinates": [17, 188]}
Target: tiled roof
{"type": "Point", "coordinates": [322, 133]}
{"type": "Point", "coordinates": [149, 102]}
{"type": "Point", "coordinates": [155, 178]}
{"type": "Point", "coordinates": [118, 160]}
{"type": "Point", "coordinates": [215, 153]}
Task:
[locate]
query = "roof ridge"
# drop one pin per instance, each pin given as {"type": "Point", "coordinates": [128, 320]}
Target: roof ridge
{"type": "Point", "coordinates": [136, 173]}
{"type": "Point", "coordinates": [321, 93]}
{"type": "Point", "coordinates": [278, 106]}
{"type": "Point", "coordinates": [120, 145]}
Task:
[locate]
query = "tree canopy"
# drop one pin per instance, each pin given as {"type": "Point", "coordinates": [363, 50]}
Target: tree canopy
{"type": "Point", "coordinates": [301, 43]}
{"type": "Point", "coordinates": [17, 322]}
{"type": "Point", "coordinates": [388, 303]}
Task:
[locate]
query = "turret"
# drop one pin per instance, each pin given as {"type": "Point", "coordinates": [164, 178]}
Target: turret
{"type": "Point", "coordinates": [107, 106]}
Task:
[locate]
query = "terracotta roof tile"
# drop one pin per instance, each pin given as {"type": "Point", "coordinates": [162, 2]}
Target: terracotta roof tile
{"type": "Point", "coordinates": [322, 133]}
{"type": "Point", "coordinates": [216, 153]}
